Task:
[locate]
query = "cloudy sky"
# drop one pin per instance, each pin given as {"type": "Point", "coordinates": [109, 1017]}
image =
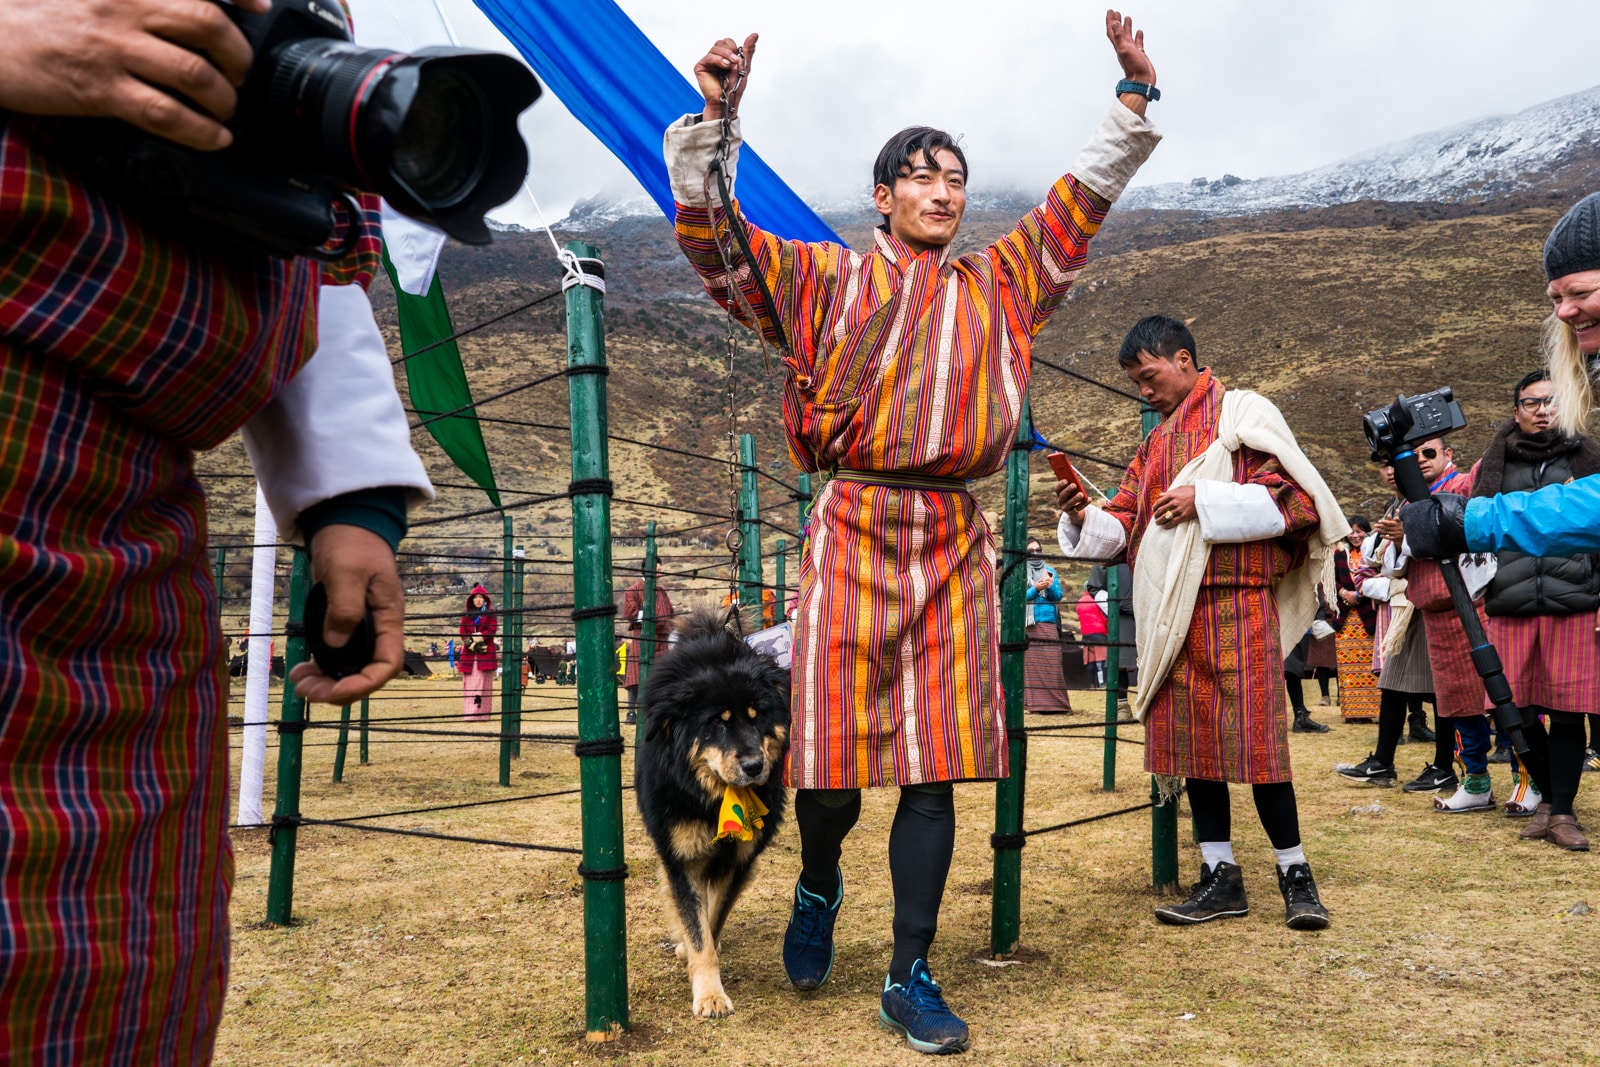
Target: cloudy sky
{"type": "Point", "coordinates": [1252, 88]}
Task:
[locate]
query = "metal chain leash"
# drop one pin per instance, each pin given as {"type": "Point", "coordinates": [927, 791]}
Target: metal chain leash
{"type": "Point", "coordinates": [722, 228]}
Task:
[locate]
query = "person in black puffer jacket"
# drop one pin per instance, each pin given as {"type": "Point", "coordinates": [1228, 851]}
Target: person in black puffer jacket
{"type": "Point", "coordinates": [1542, 615]}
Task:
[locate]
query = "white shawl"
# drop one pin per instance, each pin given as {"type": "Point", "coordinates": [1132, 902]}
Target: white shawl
{"type": "Point", "coordinates": [1172, 561]}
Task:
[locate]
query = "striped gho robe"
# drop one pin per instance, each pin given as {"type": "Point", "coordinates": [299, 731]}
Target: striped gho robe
{"type": "Point", "coordinates": [1457, 689]}
{"type": "Point", "coordinates": [912, 365]}
{"type": "Point", "coordinates": [1221, 713]}
{"type": "Point", "coordinates": [122, 351]}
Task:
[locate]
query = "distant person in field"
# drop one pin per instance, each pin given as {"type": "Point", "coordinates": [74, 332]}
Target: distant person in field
{"type": "Point", "coordinates": [1227, 527]}
{"type": "Point", "coordinates": [1044, 686]}
{"type": "Point", "coordinates": [905, 376]}
{"type": "Point", "coordinates": [633, 611]}
{"type": "Point", "coordinates": [1094, 628]}
{"type": "Point", "coordinates": [479, 655]}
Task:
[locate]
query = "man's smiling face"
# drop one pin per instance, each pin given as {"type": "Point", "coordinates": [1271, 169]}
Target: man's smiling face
{"type": "Point", "coordinates": [927, 201]}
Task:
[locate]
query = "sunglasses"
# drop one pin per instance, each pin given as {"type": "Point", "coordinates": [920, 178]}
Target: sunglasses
{"type": "Point", "coordinates": [1428, 453]}
{"type": "Point", "coordinates": [1535, 403]}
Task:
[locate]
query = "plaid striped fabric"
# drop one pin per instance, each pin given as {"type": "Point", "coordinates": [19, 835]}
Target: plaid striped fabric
{"type": "Point", "coordinates": [1552, 661]}
{"type": "Point", "coordinates": [1222, 712]}
{"type": "Point", "coordinates": [908, 363]}
{"type": "Point", "coordinates": [121, 349]}
{"type": "Point", "coordinates": [1043, 681]}
{"type": "Point", "coordinates": [1358, 684]}
{"type": "Point", "coordinates": [1457, 689]}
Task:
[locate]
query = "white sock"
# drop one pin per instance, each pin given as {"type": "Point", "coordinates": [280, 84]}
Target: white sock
{"type": "Point", "coordinates": [1288, 857]}
{"type": "Point", "coordinates": [1215, 852]}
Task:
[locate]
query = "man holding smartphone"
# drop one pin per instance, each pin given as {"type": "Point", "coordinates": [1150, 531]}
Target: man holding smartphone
{"type": "Point", "coordinates": [1226, 525]}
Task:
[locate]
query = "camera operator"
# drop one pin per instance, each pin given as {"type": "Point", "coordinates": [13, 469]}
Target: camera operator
{"type": "Point", "coordinates": [123, 349]}
{"type": "Point", "coordinates": [1557, 520]}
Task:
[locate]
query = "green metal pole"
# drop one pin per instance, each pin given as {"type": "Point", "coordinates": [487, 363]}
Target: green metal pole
{"type": "Point", "coordinates": [519, 567]}
{"type": "Point", "coordinates": [648, 627]}
{"type": "Point", "coordinates": [1163, 817]}
{"type": "Point", "coordinates": [805, 501]}
{"type": "Point", "coordinates": [1108, 781]}
{"type": "Point", "coordinates": [506, 662]}
{"type": "Point", "coordinates": [343, 744]}
{"type": "Point", "coordinates": [293, 714]}
{"type": "Point", "coordinates": [749, 524]}
{"type": "Point", "coordinates": [594, 611]}
{"type": "Point", "coordinates": [1005, 924]}
{"type": "Point", "coordinates": [781, 580]}
{"type": "Point", "coordinates": [363, 731]}
{"type": "Point", "coordinates": [220, 570]}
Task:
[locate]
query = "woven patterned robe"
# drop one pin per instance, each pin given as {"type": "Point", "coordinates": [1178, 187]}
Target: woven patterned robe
{"type": "Point", "coordinates": [1457, 689]}
{"type": "Point", "coordinates": [121, 351]}
{"type": "Point", "coordinates": [906, 363]}
{"type": "Point", "coordinates": [1222, 712]}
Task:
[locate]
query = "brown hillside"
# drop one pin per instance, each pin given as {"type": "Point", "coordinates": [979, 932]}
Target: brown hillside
{"type": "Point", "coordinates": [1327, 321]}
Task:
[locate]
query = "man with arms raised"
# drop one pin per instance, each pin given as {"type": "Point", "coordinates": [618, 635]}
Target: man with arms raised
{"type": "Point", "coordinates": [906, 372]}
{"type": "Point", "coordinates": [1227, 527]}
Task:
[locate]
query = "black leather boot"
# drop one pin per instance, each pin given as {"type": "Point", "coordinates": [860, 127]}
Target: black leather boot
{"type": "Point", "coordinates": [1305, 724]}
{"type": "Point", "coordinates": [1219, 895]}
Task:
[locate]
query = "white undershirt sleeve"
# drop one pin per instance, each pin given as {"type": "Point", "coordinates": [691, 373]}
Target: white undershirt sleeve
{"type": "Point", "coordinates": [1231, 513]}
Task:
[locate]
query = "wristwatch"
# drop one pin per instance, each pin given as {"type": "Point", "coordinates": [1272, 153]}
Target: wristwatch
{"type": "Point", "coordinates": [1150, 92]}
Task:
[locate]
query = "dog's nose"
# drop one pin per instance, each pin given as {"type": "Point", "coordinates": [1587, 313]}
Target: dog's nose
{"type": "Point", "coordinates": [752, 766]}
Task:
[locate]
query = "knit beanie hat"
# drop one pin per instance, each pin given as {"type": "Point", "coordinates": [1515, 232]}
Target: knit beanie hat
{"type": "Point", "coordinates": [1574, 244]}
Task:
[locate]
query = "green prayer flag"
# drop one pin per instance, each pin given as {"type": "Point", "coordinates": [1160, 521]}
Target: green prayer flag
{"type": "Point", "coordinates": [438, 382]}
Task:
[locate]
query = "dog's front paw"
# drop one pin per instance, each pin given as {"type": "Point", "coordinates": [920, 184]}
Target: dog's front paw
{"type": "Point", "coordinates": [713, 1005]}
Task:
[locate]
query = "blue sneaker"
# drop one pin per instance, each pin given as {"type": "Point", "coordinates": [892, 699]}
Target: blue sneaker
{"type": "Point", "coordinates": [917, 1012]}
{"type": "Point", "coordinates": [808, 942]}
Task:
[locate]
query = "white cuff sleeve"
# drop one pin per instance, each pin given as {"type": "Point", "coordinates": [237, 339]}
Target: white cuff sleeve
{"type": "Point", "coordinates": [338, 426]}
{"type": "Point", "coordinates": [1394, 562]}
{"type": "Point", "coordinates": [1119, 145]}
{"type": "Point", "coordinates": [1232, 514]}
{"type": "Point", "coordinates": [1100, 536]}
{"type": "Point", "coordinates": [1376, 589]}
{"type": "Point", "coordinates": [688, 147]}
{"type": "Point", "coordinates": [1372, 547]}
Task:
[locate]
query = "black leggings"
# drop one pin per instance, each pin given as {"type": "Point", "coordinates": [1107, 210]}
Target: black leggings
{"type": "Point", "coordinates": [921, 843]}
{"type": "Point", "coordinates": [1566, 759]}
{"type": "Point", "coordinates": [1394, 707]}
{"type": "Point", "coordinates": [1275, 804]}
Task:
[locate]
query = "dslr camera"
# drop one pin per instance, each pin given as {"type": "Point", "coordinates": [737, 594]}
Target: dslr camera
{"type": "Point", "coordinates": [433, 132]}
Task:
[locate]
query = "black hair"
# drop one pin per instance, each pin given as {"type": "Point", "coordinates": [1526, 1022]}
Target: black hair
{"type": "Point", "coordinates": [899, 154]}
{"type": "Point", "coordinates": [1361, 521]}
{"type": "Point", "coordinates": [1540, 375]}
{"type": "Point", "coordinates": [1159, 335]}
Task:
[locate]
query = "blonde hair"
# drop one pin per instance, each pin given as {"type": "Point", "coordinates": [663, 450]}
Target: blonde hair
{"type": "Point", "coordinates": [1570, 374]}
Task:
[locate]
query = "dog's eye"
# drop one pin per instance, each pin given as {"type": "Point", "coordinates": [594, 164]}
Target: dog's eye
{"type": "Point", "coordinates": [726, 715]}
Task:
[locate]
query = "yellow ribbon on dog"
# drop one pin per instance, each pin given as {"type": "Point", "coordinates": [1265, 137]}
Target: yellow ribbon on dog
{"type": "Point", "coordinates": [741, 813]}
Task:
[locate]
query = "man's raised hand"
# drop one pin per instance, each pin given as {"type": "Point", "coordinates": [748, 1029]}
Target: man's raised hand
{"type": "Point", "coordinates": [720, 61]}
{"type": "Point", "coordinates": [124, 60]}
{"type": "Point", "coordinates": [1136, 66]}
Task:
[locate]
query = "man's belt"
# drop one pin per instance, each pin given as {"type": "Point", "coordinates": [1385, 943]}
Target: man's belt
{"type": "Point", "coordinates": [902, 480]}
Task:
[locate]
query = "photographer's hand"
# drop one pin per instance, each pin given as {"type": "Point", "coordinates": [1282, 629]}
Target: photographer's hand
{"type": "Point", "coordinates": [720, 61]}
{"type": "Point", "coordinates": [123, 60]}
{"type": "Point", "coordinates": [358, 569]}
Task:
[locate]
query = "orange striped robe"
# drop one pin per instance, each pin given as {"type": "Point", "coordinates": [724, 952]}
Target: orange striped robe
{"type": "Point", "coordinates": [907, 363]}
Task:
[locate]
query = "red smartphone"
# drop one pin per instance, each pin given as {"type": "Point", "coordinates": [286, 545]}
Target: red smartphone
{"type": "Point", "coordinates": [1065, 472]}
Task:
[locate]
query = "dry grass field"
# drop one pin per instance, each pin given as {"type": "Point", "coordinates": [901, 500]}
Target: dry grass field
{"type": "Point", "coordinates": [1451, 940]}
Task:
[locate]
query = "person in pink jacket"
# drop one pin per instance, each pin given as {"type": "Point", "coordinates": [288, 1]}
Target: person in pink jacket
{"type": "Point", "coordinates": [479, 655]}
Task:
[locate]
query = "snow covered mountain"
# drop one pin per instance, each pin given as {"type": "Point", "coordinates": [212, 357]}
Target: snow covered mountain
{"type": "Point", "coordinates": [1553, 144]}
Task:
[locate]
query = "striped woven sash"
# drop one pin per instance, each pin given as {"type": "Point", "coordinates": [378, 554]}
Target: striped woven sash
{"type": "Point", "coordinates": [902, 480]}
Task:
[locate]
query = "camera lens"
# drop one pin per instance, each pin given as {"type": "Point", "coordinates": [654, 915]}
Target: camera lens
{"type": "Point", "coordinates": [444, 144]}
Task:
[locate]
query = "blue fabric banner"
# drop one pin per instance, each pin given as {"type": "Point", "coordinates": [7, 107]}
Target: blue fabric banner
{"type": "Point", "coordinates": [622, 88]}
